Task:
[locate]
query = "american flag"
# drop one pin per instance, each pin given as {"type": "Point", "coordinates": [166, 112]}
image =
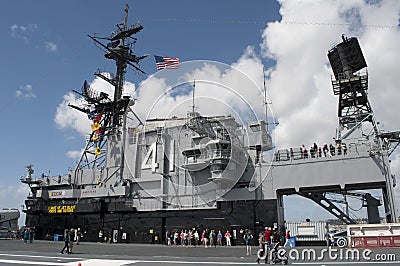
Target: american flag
{"type": "Point", "coordinates": [166, 62]}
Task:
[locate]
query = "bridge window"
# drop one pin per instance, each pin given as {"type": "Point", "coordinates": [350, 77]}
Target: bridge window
{"type": "Point", "coordinates": [255, 128]}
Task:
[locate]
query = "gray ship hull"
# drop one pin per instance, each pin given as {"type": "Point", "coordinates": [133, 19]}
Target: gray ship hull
{"type": "Point", "coordinates": [151, 227]}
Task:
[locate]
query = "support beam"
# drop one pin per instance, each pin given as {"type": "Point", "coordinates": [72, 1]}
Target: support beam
{"type": "Point", "coordinates": [320, 199]}
{"type": "Point", "coordinates": [372, 209]}
{"type": "Point", "coordinates": [388, 205]}
{"type": "Point", "coordinates": [280, 212]}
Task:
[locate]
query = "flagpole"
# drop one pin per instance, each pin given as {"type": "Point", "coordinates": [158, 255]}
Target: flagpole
{"type": "Point", "coordinates": [193, 106]}
{"type": "Point", "coordinates": [265, 100]}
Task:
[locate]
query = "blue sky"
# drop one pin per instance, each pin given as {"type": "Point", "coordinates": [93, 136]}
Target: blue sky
{"type": "Point", "coordinates": [46, 53]}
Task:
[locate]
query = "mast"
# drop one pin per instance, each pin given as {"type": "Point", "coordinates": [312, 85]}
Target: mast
{"type": "Point", "coordinates": [121, 64]}
{"type": "Point", "coordinates": [193, 105]}
{"type": "Point", "coordinates": [265, 101]}
{"type": "Point", "coordinates": [105, 112]}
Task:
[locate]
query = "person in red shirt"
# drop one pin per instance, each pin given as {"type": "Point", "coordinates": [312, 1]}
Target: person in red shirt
{"type": "Point", "coordinates": [288, 239]}
{"type": "Point", "coordinates": [228, 238]}
{"type": "Point", "coordinates": [268, 235]}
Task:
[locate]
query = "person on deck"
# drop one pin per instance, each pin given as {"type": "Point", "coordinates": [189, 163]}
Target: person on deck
{"type": "Point", "coordinates": [288, 239]}
{"type": "Point", "coordinates": [247, 238]}
{"type": "Point", "coordinates": [66, 241]}
{"type": "Point", "coordinates": [228, 238]}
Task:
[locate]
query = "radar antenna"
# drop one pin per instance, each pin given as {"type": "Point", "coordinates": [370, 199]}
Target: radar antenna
{"type": "Point", "coordinates": [354, 109]}
{"type": "Point", "coordinates": [356, 119]}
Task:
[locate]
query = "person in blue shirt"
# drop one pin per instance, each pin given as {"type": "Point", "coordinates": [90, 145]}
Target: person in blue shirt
{"type": "Point", "coordinates": [247, 238]}
{"type": "Point", "coordinates": [26, 236]}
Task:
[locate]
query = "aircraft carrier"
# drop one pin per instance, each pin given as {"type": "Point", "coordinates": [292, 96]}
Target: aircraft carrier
{"type": "Point", "coordinates": [137, 179]}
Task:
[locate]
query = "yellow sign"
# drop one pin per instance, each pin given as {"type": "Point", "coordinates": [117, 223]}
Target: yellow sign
{"type": "Point", "coordinates": [61, 209]}
{"type": "Point", "coordinates": [56, 193]}
{"type": "Point", "coordinates": [95, 126]}
{"type": "Point", "coordinates": [97, 151]}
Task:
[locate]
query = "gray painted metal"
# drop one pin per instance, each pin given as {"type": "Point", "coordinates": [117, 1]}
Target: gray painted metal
{"type": "Point", "coordinates": [9, 218]}
{"type": "Point", "coordinates": [308, 231]}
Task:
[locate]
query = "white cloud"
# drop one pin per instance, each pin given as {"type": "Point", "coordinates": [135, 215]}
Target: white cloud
{"type": "Point", "coordinates": [23, 31]}
{"type": "Point", "coordinates": [66, 117]}
{"type": "Point", "coordinates": [299, 85]}
{"type": "Point", "coordinates": [50, 46]}
{"type": "Point", "coordinates": [74, 154]}
{"type": "Point", "coordinates": [220, 89]}
{"type": "Point", "coordinates": [25, 92]}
